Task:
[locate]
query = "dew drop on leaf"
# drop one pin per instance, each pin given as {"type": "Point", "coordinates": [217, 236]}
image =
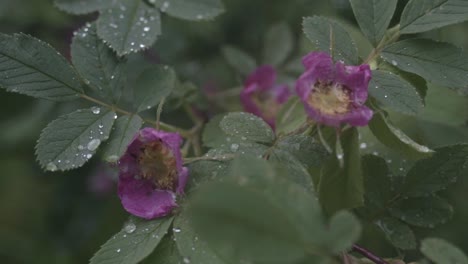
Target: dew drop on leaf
{"type": "Point", "coordinates": [234, 147]}
{"type": "Point", "coordinates": [130, 228]}
{"type": "Point", "coordinates": [96, 110]}
{"type": "Point", "coordinates": [94, 144]}
{"type": "Point", "coordinates": [51, 166]}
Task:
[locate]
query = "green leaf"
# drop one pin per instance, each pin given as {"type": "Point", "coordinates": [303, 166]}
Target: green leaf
{"type": "Point", "coordinates": [376, 181]}
{"type": "Point", "coordinates": [437, 172]}
{"type": "Point", "coordinates": [249, 225]}
{"type": "Point", "coordinates": [71, 140]}
{"type": "Point", "coordinates": [206, 170]}
{"type": "Point", "coordinates": [278, 44]}
{"type": "Point", "coordinates": [293, 169]}
{"type": "Point", "coordinates": [239, 60]}
{"type": "Point", "coordinates": [130, 26]}
{"type": "Point", "coordinates": [134, 242]}
{"type": "Point", "coordinates": [212, 135]}
{"type": "Point", "coordinates": [125, 128]}
{"type": "Point", "coordinates": [166, 252]}
{"type": "Point", "coordinates": [394, 93]}
{"type": "Point", "coordinates": [399, 234]}
{"type": "Point", "coordinates": [96, 63]}
{"type": "Point", "coordinates": [373, 17]}
{"type": "Point", "coordinates": [396, 139]}
{"type": "Point", "coordinates": [291, 116]}
{"type": "Point", "coordinates": [423, 212]}
{"type": "Point", "coordinates": [442, 252]}
{"type": "Point", "coordinates": [248, 127]}
{"type": "Point", "coordinates": [424, 15]}
{"type": "Point", "coordinates": [152, 86]}
{"type": "Point", "coordinates": [190, 246]}
{"type": "Point", "coordinates": [440, 63]}
{"type": "Point", "coordinates": [305, 149]}
{"type": "Point", "coordinates": [345, 230]}
{"type": "Point", "coordinates": [191, 9]}
{"type": "Point", "coordinates": [80, 7]}
{"type": "Point", "coordinates": [32, 67]}
{"type": "Point", "coordinates": [346, 181]}
{"type": "Point", "coordinates": [328, 35]}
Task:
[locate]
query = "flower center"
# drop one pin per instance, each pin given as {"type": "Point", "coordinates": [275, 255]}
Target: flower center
{"type": "Point", "coordinates": [330, 98]}
{"type": "Point", "coordinates": [157, 163]}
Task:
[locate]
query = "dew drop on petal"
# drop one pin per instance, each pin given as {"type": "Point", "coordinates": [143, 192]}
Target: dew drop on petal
{"type": "Point", "coordinates": [94, 144]}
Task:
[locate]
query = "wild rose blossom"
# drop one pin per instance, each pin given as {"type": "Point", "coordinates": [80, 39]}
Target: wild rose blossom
{"type": "Point", "coordinates": [261, 96]}
{"type": "Point", "coordinates": [151, 174]}
{"type": "Point", "coordinates": [334, 93]}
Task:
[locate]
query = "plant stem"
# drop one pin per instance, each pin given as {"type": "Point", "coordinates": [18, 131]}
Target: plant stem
{"type": "Point", "coordinates": [366, 253]}
{"type": "Point", "coordinates": [376, 51]}
{"type": "Point", "coordinates": [184, 133]}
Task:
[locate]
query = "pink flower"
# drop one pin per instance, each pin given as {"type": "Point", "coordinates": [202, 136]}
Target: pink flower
{"type": "Point", "coordinates": [261, 96]}
{"type": "Point", "coordinates": [151, 174]}
{"type": "Point", "coordinates": [334, 93]}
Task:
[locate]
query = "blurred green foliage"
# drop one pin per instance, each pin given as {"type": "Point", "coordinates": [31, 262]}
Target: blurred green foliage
{"type": "Point", "coordinates": [58, 218]}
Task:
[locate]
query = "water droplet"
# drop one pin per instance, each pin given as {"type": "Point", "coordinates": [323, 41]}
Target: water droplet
{"type": "Point", "coordinates": [165, 6]}
{"type": "Point", "coordinates": [146, 29]}
{"type": "Point", "coordinates": [176, 230]}
{"type": "Point", "coordinates": [186, 260]}
{"type": "Point", "coordinates": [199, 16]}
{"type": "Point", "coordinates": [234, 147]}
{"type": "Point", "coordinates": [115, 116]}
{"type": "Point", "coordinates": [112, 158]}
{"type": "Point", "coordinates": [394, 63]}
{"type": "Point", "coordinates": [80, 147]}
{"type": "Point", "coordinates": [130, 228]}
{"type": "Point", "coordinates": [94, 144]}
{"type": "Point", "coordinates": [51, 166]}
{"type": "Point", "coordinates": [96, 110]}
{"type": "Point", "coordinates": [118, 250]}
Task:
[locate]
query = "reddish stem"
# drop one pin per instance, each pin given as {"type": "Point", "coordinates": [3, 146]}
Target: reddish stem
{"type": "Point", "coordinates": [366, 253]}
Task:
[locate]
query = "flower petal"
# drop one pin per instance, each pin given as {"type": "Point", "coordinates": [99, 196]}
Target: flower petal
{"type": "Point", "coordinates": [264, 76]}
{"type": "Point", "coordinates": [183, 178]}
{"type": "Point", "coordinates": [359, 116]}
{"type": "Point", "coordinates": [138, 198]}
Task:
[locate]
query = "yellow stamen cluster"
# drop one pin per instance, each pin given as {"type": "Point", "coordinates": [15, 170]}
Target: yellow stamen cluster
{"type": "Point", "coordinates": [330, 98]}
{"type": "Point", "coordinates": [157, 163]}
